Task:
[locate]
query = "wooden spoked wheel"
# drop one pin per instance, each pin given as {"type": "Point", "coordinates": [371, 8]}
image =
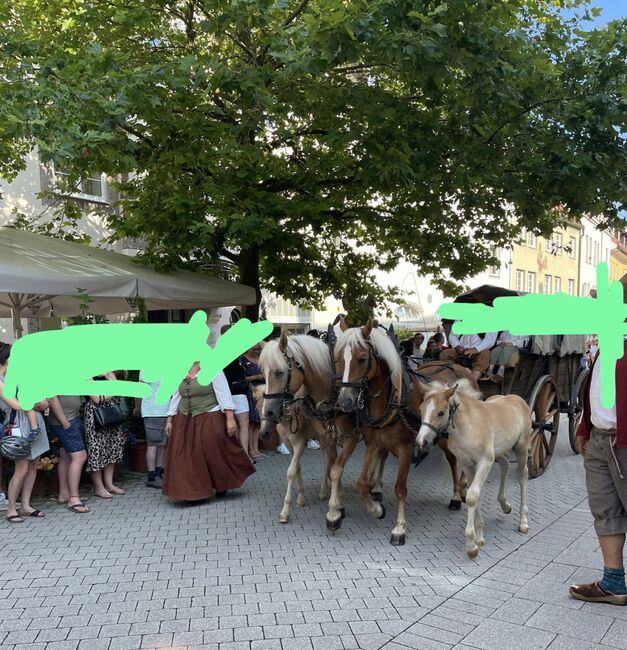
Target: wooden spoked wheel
{"type": "Point", "coordinates": [575, 408]}
{"type": "Point", "coordinates": [545, 411]}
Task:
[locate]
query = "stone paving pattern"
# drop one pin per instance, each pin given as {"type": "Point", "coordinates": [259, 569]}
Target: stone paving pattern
{"type": "Point", "coordinates": [138, 572]}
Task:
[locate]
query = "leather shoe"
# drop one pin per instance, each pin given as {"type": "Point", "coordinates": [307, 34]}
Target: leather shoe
{"type": "Point", "coordinates": [594, 593]}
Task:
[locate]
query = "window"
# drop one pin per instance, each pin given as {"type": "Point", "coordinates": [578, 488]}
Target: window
{"type": "Point", "coordinates": [573, 249]}
{"type": "Point", "coordinates": [495, 270]}
{"type": "Point", "coordinates": [558, 284]}
{"type": "Point", "coordinates": [520, 281]}
{"type": "Point", "coordinates": [556, 244]}
{"type": "Point", "coordinates": [531, 282]}
{"type": "Point", "coordinates": [532, 240]}
{"type": "Point", "coordinates": [571, 287]}
{"type": "Point", "coordinates": [585, 289]}
{"type": "Point", "coordinates": [548, 283]}
{"type": "Point", "coordinates": [92, 187]}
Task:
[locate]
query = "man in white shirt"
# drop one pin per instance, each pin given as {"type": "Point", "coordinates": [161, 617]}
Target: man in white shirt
{"type": "Point", "coordinates": [505, 353]}
{"type": "Point", "coordinates": [154, 416]}
{"type": "Point", "coordinates": [472, 347]}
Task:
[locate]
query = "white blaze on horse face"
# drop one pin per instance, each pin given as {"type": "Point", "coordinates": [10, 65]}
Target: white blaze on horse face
{"type": "Point", "coordinates": [426, 436]}
{"type": "Point", "coordinates": [348, 356]}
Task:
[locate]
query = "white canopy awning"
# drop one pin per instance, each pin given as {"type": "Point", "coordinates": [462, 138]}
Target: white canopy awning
{"type": "Point", "coordinates": [38, 271]}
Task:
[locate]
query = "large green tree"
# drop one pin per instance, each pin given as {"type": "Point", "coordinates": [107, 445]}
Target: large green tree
{"type": "Point", "coordinates": [312, 141]}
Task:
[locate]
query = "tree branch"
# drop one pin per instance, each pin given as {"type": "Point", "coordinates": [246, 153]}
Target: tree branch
{"type": "Point", "coordinates": [241, 45]}
{"type": "Point", "coordinates": [296, 13]}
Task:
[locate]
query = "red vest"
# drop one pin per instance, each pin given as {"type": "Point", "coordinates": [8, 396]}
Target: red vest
{"type": "Point", "coordinates": [585, 427]}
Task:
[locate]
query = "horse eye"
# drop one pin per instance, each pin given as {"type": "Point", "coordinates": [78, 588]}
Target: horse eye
{"type": "Point", "coordinates": [361, 360]}
{"type": "Point", "coordinates": [441, 413]}
{"type": "Point", "coordinates": [278, 373]}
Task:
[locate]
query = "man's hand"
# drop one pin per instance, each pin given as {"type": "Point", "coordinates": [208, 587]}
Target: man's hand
{"type": "Point", "coordinates": [581, 445]}
{"type": "Point", "coordinates": [459, 349]}
{"type": "Point", "coordinates": [42, 406]}
{"type": "Point", "coordinates": [471, 352]}
{"type": "Point", "coordinates": [66, 425]}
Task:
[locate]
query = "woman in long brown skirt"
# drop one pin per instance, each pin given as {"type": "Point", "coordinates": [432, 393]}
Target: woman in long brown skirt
{"type": "Point", "coordinates": [203, 452]}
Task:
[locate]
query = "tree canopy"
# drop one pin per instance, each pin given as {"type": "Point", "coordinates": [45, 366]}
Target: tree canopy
{"type": "Point", "coordinates": [312, 141]}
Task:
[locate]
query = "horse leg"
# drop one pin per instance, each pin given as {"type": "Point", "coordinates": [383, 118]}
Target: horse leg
{"type": "Point", "coordinates": [404, 461]}
{"type": "Point", "coordinates": [456, 501]}
{"type": "Point", "coordinates": [335, 513]}
{"type": "Point", "coordinates": [477, 479]}
{"type": "Point", "coordinates": [522, 452]}
{"type": "Point", "coordinates": [503, 462]}
{"type": "Point", "coordinates": [376, 485]}
{"type": "Point", "coordinates": [374, 508]}
{"type": "Point", "coordinates": [330, 456]}
{"type": "Point", "coordinates": [298, 444]}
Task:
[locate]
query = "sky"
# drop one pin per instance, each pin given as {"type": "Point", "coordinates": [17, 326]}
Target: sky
{"type": "Point", "coordinates": [612, 9]}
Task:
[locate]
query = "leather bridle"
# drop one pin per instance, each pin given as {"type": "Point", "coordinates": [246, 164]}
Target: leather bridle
{"type": "Point", "coordinates": [286, 397]}
{"type": "Point", "coordinates": [440, 431]}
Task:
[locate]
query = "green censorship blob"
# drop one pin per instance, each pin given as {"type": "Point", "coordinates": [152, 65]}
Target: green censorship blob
{"type": "Point", "coordinates": [64, 362]}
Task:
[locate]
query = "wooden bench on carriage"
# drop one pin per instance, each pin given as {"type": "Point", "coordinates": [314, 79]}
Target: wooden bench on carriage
{"type": "Point", "coordinates": [547, 374]}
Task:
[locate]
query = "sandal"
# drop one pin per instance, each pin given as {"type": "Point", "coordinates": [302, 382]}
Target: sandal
{"type": "Point", "coordinates": [15, 519]}
{"type": "Point", "coordinates": [73, 508]}
{"type": "Point", "coordinates": [35, 513]}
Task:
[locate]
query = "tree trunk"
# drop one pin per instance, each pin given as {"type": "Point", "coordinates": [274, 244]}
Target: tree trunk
{"type": "Point", "coordinates": [249, 275]}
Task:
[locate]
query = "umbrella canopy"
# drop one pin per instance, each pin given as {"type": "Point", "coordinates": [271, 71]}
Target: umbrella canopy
{"type": "Point", "coordinates": [47, 273]}
{"type": "Point", "coordinates": [485, 294]}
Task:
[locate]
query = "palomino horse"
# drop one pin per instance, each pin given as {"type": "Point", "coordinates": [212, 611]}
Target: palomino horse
{"type": "Point", "coordinates": [372, 387]}
{"type": "Point", "coordinates": [479, 433]}
{"type": "Point", "coordinates": [296, 428]}
{"type": "Point", "coordinates": [301, 384]}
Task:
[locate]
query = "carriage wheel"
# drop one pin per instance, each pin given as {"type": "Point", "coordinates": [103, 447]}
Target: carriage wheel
{"type": "Point", "coordinates": [575, 408]}
{"type": "Point", "coordinates": [545, 411]}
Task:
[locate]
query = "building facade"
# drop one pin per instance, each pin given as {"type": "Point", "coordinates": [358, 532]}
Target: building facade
{"type": "Point", "coordinates": [618, 255]}
{"type": "Point", "coordinates": [550, 265]}
{"type": "Point", "coordinates": [594, 246]}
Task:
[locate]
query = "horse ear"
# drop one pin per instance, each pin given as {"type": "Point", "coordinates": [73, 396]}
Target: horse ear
{"type": "Point", "coordinates": [449, 393]}
{"type": "Point", "coordinates": [343, 324]}
{"type": "Point", "coordinates": [367, 329]}
{"type": "Point", "coordinates": [419, 387]}
{"type": "Point", "coordinates": [283, 342]}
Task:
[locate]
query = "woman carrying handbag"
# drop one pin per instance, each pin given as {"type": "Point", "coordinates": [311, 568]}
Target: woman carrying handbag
{"type": "Point", "coordinates": [104, 438]}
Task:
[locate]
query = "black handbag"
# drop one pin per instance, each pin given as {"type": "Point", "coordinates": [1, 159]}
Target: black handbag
{"type": "Point", "coordinates": [109, 415]}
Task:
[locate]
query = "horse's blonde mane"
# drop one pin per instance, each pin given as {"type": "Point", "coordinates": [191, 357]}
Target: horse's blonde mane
{"type": "Point", "coordinates": [464, 387]}
{"type": "Point", "coordinates": [307, 350]}
{"type": "Point", "coordinates": [381, 344]}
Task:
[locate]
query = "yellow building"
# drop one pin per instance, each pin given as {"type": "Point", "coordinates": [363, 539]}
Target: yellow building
{"type": "Point", "coordinates": [542, 265]}
{"type": "Point", "coordinates": [618, 257]}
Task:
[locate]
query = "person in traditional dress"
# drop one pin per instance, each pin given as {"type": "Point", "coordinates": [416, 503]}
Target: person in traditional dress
{"type": "Point", "coordinates": [203, 453]}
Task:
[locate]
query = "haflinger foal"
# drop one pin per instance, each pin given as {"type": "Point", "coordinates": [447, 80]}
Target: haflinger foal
{"type": "Point", "coordinates": [480, 433]}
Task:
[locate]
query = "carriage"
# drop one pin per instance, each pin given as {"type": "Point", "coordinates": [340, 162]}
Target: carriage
{"type": "Point", "coordinates": [547, 374]}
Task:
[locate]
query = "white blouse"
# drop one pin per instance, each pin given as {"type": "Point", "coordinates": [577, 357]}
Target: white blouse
{"type": "Point", "coordinates": [222, 391]}
{"type": "Point", "coordinates": [473, 341]}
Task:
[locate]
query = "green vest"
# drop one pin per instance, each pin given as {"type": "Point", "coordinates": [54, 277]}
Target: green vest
{"type": "Point", "coordinates": [195, 398]}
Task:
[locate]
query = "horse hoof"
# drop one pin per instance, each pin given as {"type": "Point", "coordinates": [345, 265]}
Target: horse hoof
{"type": "Point", "coordinates": [480, 543]}
{"type": "Point", "coordinates": [343, 513]}
{"type": "Point", "coordinates": [382, 515]}
{"type": "Point", "coordinates": [283, 520]}
{"type": "Point", "coordinates": [334, 525]}
{"type": "Point", "coordinates": [472, 554]}
{"type": "Point", "coordinates": [507, 509]}
{"type": "Point", "coordinates": [523, 529]}
{"type": "Point", "coordinates": [455, 505]}
{"type": "Point", "coordinates": [397, 539]}
{"type": "Point", "coordinates": [300, 505]}
{"type": "Point", "coordinates": [377, 496]}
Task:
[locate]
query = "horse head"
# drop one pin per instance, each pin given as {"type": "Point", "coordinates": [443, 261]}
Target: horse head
{"type": "Point", "coordinates": [360, 355]}
{"type": "Point", "coordinates": [436, 412]}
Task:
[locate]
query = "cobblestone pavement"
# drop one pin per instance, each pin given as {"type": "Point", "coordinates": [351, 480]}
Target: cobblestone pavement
{"type": "Point", "coordinates": [138, 572]}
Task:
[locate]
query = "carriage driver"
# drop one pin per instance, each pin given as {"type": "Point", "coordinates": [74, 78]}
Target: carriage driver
{"type": "Point", "coordinates": [602, 441]}
{"type": "Point", "coordinates": [473, 347]}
